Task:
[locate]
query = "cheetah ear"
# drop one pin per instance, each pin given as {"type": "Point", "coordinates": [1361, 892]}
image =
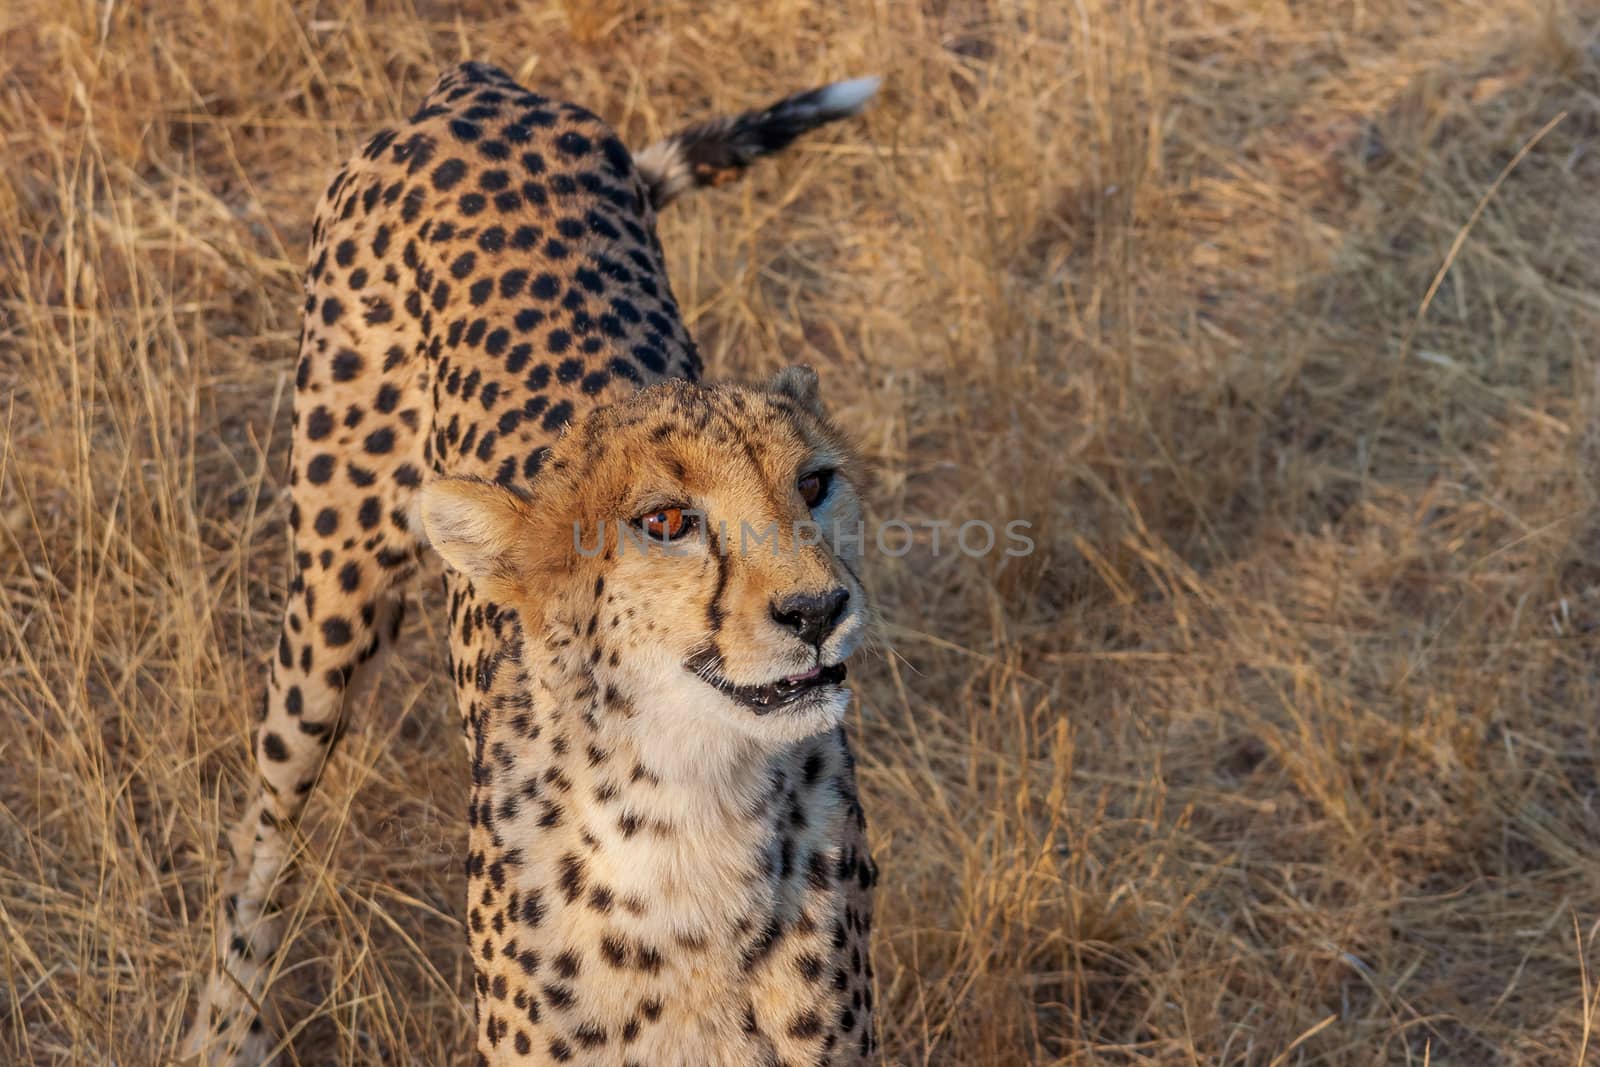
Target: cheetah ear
{"type": "Point", "coordinates": [482, 530]}
{"type": "Point", "coordinates": [799, 383]}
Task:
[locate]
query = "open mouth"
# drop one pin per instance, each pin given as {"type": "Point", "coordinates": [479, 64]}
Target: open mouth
{"type": "Point", "coordinates": [772, 696]}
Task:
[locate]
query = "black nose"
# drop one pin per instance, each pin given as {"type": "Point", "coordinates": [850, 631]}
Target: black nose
{"type": "Point", "coordinates": [812, 616]}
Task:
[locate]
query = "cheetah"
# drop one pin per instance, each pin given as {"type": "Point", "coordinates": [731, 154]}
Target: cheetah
{"type": "Point", "coordinates": [667, 856]}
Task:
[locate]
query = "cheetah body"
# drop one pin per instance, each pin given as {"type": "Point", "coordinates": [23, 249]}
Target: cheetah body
{"type": "Point", "coordinates": [492, 357]}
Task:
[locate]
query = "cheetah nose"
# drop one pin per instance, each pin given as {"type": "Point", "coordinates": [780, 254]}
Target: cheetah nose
{"type": "Point", "coordinates": [812, 616]}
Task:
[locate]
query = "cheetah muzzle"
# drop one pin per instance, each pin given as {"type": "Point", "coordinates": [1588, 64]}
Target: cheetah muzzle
{"type": "Point", "coordinates": [666, 856]}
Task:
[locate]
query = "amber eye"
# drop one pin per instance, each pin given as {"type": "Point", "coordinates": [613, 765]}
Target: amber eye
{"type": "Point", "coordinates": [814, 486]}
{"type": "Point", "coordinates": [667, 524]}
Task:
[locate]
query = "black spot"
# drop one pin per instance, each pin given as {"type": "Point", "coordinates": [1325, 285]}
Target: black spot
{"type": "Point", "coordinates": [379, 442]}
{"type": "Point", "coordinates": [463, 265]}
{"type": "Point", "coordinates": [651, 358]}
{"type": "Point", "coordinates": [350, 577]}
{"type": "Point", "coordinates": [471, 204]}
{"type": "Point", "coordinates": [379, 142]}
{"type": "Point", "coordinates": [600, 226]}
{"type": "Point", "coordinates": [327, 522]}
{"type": "Point", "coordinates": [412, 207]}
{"type": "Point", "coordinates": [319, 423]}
{"type": "Point", "coordinates": [463, 130]}
{"type": "Point", "coordinates": [293, 702]}
{"type": "Point", "coordinates": [320, 469]}
{"type": "Point", "coordinates": [573, 143]}
{"type": "Point", "coordinates": [273, 748]}
{"type": "Point", "coordinates": [569, 370]}
{"type": "Point", "coordinates": [762, 946]}
{"type": "Point", "coordinates": [511, 282]}
{"type": "Point", "coordinates": [572, 877]}
{"type": "Point", "coordinates": [336, 631]}
{"type": "Point", "coordinates": [448, 174]}
{"type": "Point", "coordinates": [331, 310]}
{"type": "Point", "coordinates": [616, 156]}
{"type": "Point", "coordinates": [545, 287]}
{"type": "Point", "coordinates": [623, 369]}
{"type": "Point", "coordinates": [558, 416]}
{"type": "Point", "coordinates": [346, 365]}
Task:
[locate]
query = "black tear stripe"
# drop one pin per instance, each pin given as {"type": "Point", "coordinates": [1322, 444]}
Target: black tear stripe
{"type": "Point", "coordinates": [714, 613]}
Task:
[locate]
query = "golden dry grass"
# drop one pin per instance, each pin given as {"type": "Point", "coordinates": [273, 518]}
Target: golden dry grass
{"type": "Point", "coordinates": [1281, 749]}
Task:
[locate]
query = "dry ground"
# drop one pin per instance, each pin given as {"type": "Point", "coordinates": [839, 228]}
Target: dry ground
{"type": "Point", "coordinates": [1277, 320]}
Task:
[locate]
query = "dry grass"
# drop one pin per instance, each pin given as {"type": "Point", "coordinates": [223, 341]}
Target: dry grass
{"type": "Point", "coordinates": [1281, 749]}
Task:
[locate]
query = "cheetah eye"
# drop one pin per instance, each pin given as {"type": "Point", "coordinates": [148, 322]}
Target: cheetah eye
{"type": "Point", "coordinates": [667, 524]}
{"type": "Point", "coordinates": [814, 487]}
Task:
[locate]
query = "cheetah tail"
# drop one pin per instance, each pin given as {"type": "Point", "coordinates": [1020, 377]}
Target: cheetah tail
{"type": "Point", "coordinates": [718, 150]}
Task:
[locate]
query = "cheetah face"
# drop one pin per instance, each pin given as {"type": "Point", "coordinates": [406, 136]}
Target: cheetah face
{"type": "Point", "coordinates": [698, 545]}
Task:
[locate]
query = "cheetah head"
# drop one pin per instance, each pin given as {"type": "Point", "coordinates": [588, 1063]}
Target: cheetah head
{"type": "Point", "coordinates": [697, 546]}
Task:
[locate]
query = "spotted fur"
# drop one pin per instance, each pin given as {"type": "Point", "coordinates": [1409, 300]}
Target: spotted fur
{"type": "Point", "coordinates": [492, 361]}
